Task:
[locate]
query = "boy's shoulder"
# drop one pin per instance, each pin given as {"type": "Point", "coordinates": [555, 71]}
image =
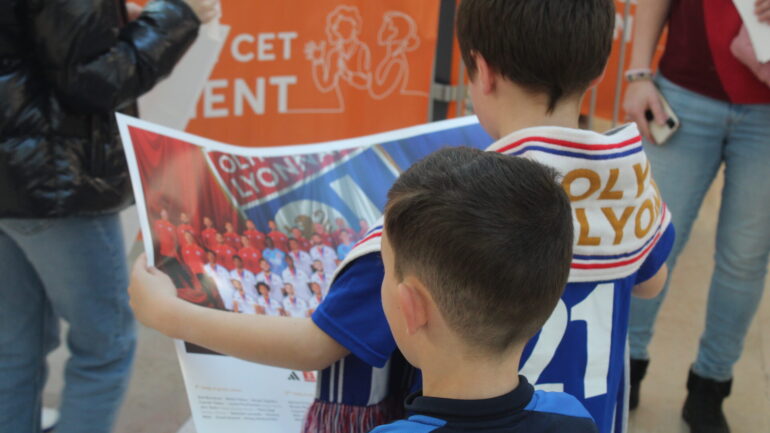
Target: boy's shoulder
{"type": "Point", "coordinates": [548, 412]}
{"type": "Point", "coordinates": [414, 424]}
{"type": "Point", "coordinates": [558, 412]}
{"type": "Point", "coordinates": [558, 403]}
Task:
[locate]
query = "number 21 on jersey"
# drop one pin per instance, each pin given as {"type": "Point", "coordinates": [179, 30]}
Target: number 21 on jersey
{"type": "Point", "coordinates": [596, 310]}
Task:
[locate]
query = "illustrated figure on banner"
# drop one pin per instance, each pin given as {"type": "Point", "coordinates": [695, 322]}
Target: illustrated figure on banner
{"type": "Point", "coordinates": [398, 33]}
{"type": "Point", "coordinates": [344, 58]}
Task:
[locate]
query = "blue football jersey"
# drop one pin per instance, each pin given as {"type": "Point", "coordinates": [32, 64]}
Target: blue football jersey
{"type": "Point", "coordinates": [581, 349]}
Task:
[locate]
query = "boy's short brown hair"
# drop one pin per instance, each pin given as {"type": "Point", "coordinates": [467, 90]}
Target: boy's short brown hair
{"type": "Point", "coordinates": [555, 47]}
{"type": "Point", "coordinates": [490, 236]}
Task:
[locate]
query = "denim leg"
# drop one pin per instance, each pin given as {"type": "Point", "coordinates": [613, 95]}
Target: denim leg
{"type": "Point", "coordinates": [28, 332]}
{"type": "Point", "coordinates": [684, 168]}
{"type": "Point", "coordinates": [81, 264]}
{"type": "Point", "coordinates": [743, 243]}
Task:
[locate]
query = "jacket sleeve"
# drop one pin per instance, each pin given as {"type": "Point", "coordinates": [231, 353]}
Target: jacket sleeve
{"type": "Point", "coordinates": [96, 66]}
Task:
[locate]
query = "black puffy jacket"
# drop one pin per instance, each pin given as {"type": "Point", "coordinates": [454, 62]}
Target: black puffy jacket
{"type": "Point", "coordinates": [65, 67]}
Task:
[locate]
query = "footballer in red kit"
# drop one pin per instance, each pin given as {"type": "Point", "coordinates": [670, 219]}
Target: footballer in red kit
{"type": "Point", "coordinates": [168, 260]}
{"type": "Point", "coordinates": [250, 255]}
{"type": "Point", "coordinates": [224, 252]}
{"type": "Point", "coordinates": [165, 232]}
{"type": "Point", "coordinates": [184, 226]}
{"type": "Point", "coordinates": [231, 237]}
{"type": "Point", "coordinates": [256, 237]}
{"type": "Point", "coordinates": [304, 244]}
{"type": "Point", "coordinates": [192, 254]}
{"type": "Point", "coordinates": [209, 233]}
{"type": "Point", "coordinates": [320, 230]}
{"type": "Point", "coordinates": [280, 240]}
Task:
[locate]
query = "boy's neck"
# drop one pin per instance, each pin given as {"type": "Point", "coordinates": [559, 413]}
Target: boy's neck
{"type": "Point", "coordinates": [458, 376]}
{"type": "Point", "coordinates": [530, 111]}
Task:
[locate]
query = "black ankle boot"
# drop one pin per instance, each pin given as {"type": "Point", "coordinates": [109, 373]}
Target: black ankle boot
{"type": "Point", "coordinates": [703, 407]}
{"type": "Point", "coordinates": [638, 370]}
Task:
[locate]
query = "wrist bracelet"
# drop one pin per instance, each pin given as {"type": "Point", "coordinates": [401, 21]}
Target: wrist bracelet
{"type": "Point", "coordinates": [638, 75]}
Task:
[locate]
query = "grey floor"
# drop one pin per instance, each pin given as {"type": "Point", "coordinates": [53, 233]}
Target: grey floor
{"type": "Point", "coordinates": [156, 401]}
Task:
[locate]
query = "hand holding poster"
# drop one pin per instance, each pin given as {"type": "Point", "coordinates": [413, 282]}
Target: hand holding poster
{"type": "Point", "coordinates": [259, 231]}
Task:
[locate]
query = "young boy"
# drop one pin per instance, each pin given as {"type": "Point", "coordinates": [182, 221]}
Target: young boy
{"type": "Point", "coordinates": [530, 100]}
{"type": "Point", "coordinates": [461, 311]}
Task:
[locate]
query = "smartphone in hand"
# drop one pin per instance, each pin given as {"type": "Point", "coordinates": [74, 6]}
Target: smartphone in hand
{"type": "Point", "coordinates": [661, 133]}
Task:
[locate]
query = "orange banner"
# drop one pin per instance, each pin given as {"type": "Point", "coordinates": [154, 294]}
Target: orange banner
{"type": "Point", "coordinates": [299, 71]}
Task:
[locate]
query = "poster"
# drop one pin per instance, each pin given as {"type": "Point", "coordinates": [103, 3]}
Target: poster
{"type": "Point", "coordinates": [260, 231]}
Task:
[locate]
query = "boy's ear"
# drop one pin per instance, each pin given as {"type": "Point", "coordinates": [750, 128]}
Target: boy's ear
{"type": "Point", "coordinates": [414, 306]}
{"type": "Point", "coordinates": [485, 74]}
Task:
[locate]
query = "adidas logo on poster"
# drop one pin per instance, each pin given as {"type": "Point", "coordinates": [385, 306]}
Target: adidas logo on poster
{"type": "Point", "coordinates": [293, 376]}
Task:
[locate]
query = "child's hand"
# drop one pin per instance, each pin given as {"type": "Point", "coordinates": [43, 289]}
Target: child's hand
{"type": "Point", "coordinates": [640, 97]}
{"type": "Point", "coordinates": [153, 297]}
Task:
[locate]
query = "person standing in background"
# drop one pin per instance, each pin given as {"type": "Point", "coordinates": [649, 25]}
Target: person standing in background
{"type": "Point", "coordinates": [65, 68]}
{"type": "Point", "coordinates": [724, 112]}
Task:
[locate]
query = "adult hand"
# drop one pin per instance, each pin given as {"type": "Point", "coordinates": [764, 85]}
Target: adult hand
{"type": "Point", "coordinates": [762, 9]}
{"type": "Point", "coordinates": [640, 97]}
{"type": "Point", "coordinates": [153, 297]}
{"type": "Point", "coordinates": [134, 10]}
{"type": "Point", "coordinates": [206, 10]}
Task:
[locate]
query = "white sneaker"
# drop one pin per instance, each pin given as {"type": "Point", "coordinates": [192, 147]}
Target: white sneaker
{"type": "Point", "coordinates": [49, 417]}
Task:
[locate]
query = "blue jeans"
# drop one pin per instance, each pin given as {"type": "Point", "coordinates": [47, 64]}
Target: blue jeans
{"type": "Point", "coordinates": [713, 133]}
{"type": "Point", "coordinates": [73, 269]}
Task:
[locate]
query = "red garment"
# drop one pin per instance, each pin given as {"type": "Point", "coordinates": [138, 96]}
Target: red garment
{"type": "Point", "coordinates": [209, 237]}
{"type": "Point", "coordinates": [165, 233]}
{"type": "Point", "coordinates": [193, 256]}
{"type": "Point", "coordinates": [326, 239]}
{"type": "Point", "coordinates": [698, 55]}
{"type": "Point", "coordinates": [225, 255]}
{"type": "Point", "coordinates": [250, 257]}
{"type": "Point", "coordinates": [280, 240]}
{"type": "Point", "coordinates": [257, 238]}
{"type": "Point", "coordinates": [182, 228]}
{"type": "Point", "coordinates": [304, 244]}
{"type": "Point", "coordinates": [233, 240]}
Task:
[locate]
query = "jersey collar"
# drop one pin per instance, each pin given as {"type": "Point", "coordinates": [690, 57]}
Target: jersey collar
{"type": "Point", "coordinates": [517, 139]}
{"type": "Point", "coordinates": [449, 409]}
